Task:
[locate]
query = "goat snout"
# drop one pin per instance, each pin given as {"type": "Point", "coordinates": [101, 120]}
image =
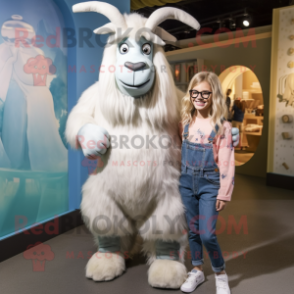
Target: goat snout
{"type": "Point", "coordinates": [135, 66]}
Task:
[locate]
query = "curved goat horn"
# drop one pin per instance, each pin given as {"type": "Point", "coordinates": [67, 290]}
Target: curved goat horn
{"type": "Point", "coordinates": [161, 14]}
{"type": "Point", "coordinates": [106, 29]}
{"type": "Point", "coordinates": [110, 11]}
{"type": "Point", "coordinates": [165, 35]}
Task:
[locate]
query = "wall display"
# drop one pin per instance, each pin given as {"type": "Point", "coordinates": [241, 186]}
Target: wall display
{"type": "Point", "coordinates": [287, 118]}
{"type": "Point", "coordinates": [184, 70]}
{"type": "Point", "coordinates": [281, 143]}
{"type": "Point", "coordinates": [287, 136]}
{"type": "Point", "coordinates": [33, 112]}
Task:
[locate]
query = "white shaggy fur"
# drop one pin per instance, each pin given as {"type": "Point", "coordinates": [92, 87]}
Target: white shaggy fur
{"type": "Point", "coordinates": [166, 274]}
{"type": "Point", "coordinates": [142, 199]}
{"type": "Point", "coordinates": [105, 266]}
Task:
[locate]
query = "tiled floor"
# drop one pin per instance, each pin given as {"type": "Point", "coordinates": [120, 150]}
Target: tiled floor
{"type": "Point", "coordinates": [259, 257]}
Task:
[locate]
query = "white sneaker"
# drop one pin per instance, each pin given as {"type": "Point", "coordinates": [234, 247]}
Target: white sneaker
{"type": "Point", "coordinates": [195, 277]}
{"type": "Point", "coordinates": [222, 284]}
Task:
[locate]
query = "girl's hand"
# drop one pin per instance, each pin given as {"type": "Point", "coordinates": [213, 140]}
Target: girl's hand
{"type": "Point", "coordinates": [220, 205]}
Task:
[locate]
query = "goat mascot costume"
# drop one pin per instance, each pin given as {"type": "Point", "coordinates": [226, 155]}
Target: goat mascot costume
{"type": "Point", "coordinates": [128, 118]}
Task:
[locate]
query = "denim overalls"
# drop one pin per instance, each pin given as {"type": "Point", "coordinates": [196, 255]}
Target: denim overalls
{"type": "Point", "coordinates": [199, 185]}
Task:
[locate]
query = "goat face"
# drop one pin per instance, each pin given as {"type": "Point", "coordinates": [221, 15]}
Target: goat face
{"type": "Point", "coordinates": [135, 71]}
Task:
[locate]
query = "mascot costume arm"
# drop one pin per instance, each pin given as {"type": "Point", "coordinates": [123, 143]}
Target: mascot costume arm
{"type": "Point", "coordinates": [81, 127]}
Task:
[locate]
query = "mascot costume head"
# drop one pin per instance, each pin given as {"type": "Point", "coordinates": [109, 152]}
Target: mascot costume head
{"type": "Point", "coordinates": [127, 119]}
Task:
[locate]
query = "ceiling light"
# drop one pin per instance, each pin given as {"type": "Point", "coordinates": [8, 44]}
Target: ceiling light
{"type": "Point", "coordinates": [246, 20]}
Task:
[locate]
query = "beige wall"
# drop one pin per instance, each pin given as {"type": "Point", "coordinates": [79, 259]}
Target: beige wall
{"type": "Point", "coordinates": [248, 79]}
{"type": "Point", "coordinates": [255, 56]}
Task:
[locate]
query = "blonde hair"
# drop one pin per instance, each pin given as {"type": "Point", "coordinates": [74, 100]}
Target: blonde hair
{"type": "Point", "coordinates": [219, 109]}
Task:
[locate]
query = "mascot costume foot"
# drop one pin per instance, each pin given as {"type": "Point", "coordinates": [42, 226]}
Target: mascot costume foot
{"type": "Point", "coordinates": [129, 118]}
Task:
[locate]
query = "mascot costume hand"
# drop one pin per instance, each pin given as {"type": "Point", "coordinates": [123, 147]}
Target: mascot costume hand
{"type": "Point", "coordinates": [93, 133]}
{"type": "Point", "coordinates": [135, 192]}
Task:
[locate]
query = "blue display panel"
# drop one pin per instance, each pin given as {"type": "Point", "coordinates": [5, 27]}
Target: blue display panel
{"type": "Point", "coordinates": [33, 113]}
{"type": "Point", "coordinates": [47, 59]}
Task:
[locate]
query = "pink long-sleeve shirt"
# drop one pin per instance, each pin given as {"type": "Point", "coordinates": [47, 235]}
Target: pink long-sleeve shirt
{"type": "Point", "coordinates": [223, 152]}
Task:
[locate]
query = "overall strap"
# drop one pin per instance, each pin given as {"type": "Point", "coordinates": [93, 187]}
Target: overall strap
{"type": "Point", "coordinates": [213, 133]}
{"type": "Point", "coordinates": [186, 131]}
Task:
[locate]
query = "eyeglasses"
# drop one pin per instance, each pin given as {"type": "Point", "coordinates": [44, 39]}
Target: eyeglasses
{"type": "Point", "coordinates": [204, 94]}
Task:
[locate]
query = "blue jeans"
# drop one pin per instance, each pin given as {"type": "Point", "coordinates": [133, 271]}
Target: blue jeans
{"type": "Point", "coordinates": [199, 191]}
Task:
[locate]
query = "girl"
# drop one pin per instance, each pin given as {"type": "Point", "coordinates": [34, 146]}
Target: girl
{"type": "Point", "coordinates": [207, 173]}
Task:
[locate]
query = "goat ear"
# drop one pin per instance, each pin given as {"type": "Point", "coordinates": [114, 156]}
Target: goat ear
{"type": "Point", "coordinates": [164, 35]}
{"type": "Point", "coordinates": [148, 35]}
{"type": "Point", "coordinates": [108, 28]}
